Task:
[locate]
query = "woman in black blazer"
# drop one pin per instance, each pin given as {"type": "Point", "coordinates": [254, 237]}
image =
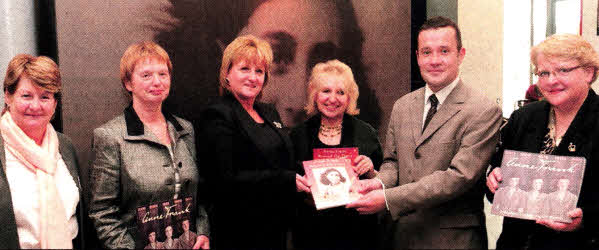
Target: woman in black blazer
{"type": "Point", "coordinates": [564, 123]}
{"type": "Point", "coordinates": [333, 95]}
{"type": "Point", "coordinates": [246, 156]}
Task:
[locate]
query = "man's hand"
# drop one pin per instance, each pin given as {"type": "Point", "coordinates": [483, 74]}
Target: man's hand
{"type": "Point", "coordinates": [369, 203]}
{"type": "Point", "coordinates": [202, 242]}
{"type": "Point", "coordinates": [365, 186]}
{"type": "Point", "coordinates": [576, 216]}
{"type": "Point", "coordinates": [493, 179]}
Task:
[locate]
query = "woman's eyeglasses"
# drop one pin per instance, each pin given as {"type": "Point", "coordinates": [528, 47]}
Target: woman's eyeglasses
{"type": "Point", "coordinates": [560, 72]}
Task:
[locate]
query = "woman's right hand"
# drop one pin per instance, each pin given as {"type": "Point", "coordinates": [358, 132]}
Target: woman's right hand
{"type": "Point", "coordinates": [302, 184]}
{"type": "Point", "coordinates": [493, 179]}
{"type": "Point", "coordinates": [363, 165]}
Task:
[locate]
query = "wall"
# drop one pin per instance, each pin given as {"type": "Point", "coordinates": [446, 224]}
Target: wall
{"type": "Point", "coordinates": [17, 33]}
{"type": "Point", "coordinates": [516, 44]}
{"type": "Point", "coordinates": [482, 36]}
{"type": "Point", "coordinates": [481, 24]}
{"type": "Point", "coordinates": [589, 26]}
{"type": "Point", "coordinates": [93, 35]}
{"type": "Point", "coordinates": [446, 8]}
{"type": "Point", "coordinates": [386, 51]}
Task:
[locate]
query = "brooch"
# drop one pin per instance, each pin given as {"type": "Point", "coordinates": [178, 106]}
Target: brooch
{"type": "Point", "coordinates": [277, 124]}
{"type": "Point", "coordinates": [572, 147]}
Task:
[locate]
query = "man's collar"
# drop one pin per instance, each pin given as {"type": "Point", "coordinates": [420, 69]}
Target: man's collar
{"type": "Point", "coordinates": [441, 94]}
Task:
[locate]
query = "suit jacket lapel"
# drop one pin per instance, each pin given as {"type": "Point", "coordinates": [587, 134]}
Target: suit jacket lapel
{"type": "Point", "coordinates": [8, 235]}
{"type": "Point", "coordinates": [136, 129]}
{"type": "Point", "coordinates": [69, 158]}
{"type": "Point", "coordinates": [451, 106]}
{"type": "Point", "coordinates": [536, 130]}
{"type": "Point", "coordinates": [416, 114]}
{"type": "Point", "coordinates": [70, 161]}
{"type": "Point", "coordinates": [272, 120]}
{"type": "Point", "coordinates": [577, 135]}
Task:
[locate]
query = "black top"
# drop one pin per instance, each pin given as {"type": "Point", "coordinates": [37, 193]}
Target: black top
{"type": "Point", "coordinates": [355, 133]}
{"type": "Point", "coordinates": [525, 131]}
{"type": "Point", "coordinates": [335, 228]}
{"type": "Point", "coordinates": [271, 142]}
{"type": "Point", "coordinates": [250, 184]}
{"type": "Point", "coordinates": [320, 144]}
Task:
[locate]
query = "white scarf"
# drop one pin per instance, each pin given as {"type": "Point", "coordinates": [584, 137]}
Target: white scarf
{"type": "Point", "coordinates": [42, 160]}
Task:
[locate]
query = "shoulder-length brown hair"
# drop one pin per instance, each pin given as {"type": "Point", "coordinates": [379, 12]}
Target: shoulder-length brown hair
{"type": "Point", "coordinates": [41, 70]}
{"type": "Point", "coordinates": [250, 48]}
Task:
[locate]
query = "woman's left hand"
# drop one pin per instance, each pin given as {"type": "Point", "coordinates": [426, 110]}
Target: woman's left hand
{"type": "Point", "coordinates": [302, 184]}
{"type": "Point", "coordinates": [202, 242]}
{"type": "Point", "coordinates": [363, 165]}
{"type": "Point", "coordinates": [576, 216]}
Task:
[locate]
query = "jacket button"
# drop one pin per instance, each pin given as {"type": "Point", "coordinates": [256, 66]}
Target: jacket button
{"type": "Point", "coordinates": [417, 155]}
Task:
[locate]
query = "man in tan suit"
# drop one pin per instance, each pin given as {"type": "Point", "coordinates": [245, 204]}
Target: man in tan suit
{"type": "Point", "coordinates": [436, 152]}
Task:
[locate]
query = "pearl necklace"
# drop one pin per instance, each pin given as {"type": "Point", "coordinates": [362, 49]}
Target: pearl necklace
{"type": "Point", "coordinates": [327, 131]}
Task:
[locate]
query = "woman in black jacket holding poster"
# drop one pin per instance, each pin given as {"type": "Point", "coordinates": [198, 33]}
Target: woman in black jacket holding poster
{"type": "Point", "coordinates": [564, 123]}
{"type": "Point", "coordinates": [332, 101]}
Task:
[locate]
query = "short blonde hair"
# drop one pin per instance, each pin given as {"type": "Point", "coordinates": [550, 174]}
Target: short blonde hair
{"type": "Point", "coordinates": [332, 68]}
{"type": "Point", "coordinates": [249, 48]}
{"type": "Point", "coordinates": [41, 70]}
{"type": "Point", "coordinates": [141, 50]}
{"type": "Point", "coordinates": [567, 46]}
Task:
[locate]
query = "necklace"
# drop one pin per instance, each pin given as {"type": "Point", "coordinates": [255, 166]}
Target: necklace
{"type": "Point", "coordinates": [327, 131]}
{"type": "Point", "coordinates": [551, 140]}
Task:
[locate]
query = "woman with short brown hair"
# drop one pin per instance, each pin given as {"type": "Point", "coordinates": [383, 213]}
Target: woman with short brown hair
{"type": "Point", "coordinates": [144, 156]}
{"type": "Point", "coordinates": [39, 172]}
